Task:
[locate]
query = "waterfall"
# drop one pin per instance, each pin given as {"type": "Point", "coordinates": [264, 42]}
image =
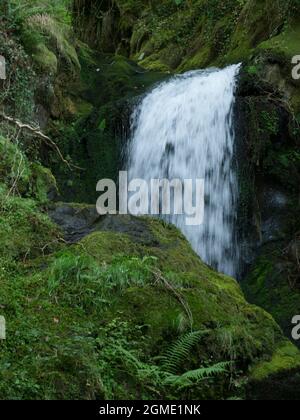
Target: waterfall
{"type": "Point", "coordinates": [184, 129]}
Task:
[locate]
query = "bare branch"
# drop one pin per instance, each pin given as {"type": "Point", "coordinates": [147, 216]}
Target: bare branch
{"type": "Point", "coordinates": [37, 132]}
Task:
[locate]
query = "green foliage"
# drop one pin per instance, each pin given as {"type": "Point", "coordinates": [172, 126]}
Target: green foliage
{"type": "Point", "coordinates": [20, 10]}
{"type": "Point", "coordinates": [107, 360]}
{"type": "Point", "coordinates": [270, 121]}
{"type": "Point", "coordinates": [22, 177]}
{"type": "Point", "coordinates": [180, 351]}
{"type": "Point", "coordinates": [193, 377]}
{"type": "Point", "coordinates": [180, 35]}
{"type": "Point", "coordinates": [14, 167]}
{"type": "Point", "coordinates": [102, 124]}
{"type": "Point", "coordinates": [44, 29]}
{"type": "Point", "coordinates": [120, 352]}
{"type": "Point", "coordinates": [252, 70]}
{"type": "Point", "coordinates": [78, 280]}
{"type": "Point", "coordinates": [272, 283]}
{"type": "Point", "coordinates": [87, 321]}
{"type": "Point", "coordinates": [17, 91]}
{"type": "Point", "coordinates": [25, 231]}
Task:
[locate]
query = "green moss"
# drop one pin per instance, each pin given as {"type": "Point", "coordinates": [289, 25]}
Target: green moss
{"type": "Point", "coordinates": [202, 32]}
{"type": "Point", "coordinates": [23, 177]}
{"type": "Point", "coordinates": [103, 246]}
{"type": "Point", "coordinates": [285, 358]}
{"type": "Point", "coordinates": [198, 61]}
{"type": "Point", "coordinates": [45, 59]}
{"type": "Point", "coordinates": [270, 122]}
{"type": "Point", "coordinates": [211, 297]}
{"type": "Point", "coordinates": [198, 34]}
{"type": "Point", "coordinates": [47, 39]}
{"type": "Point", "coordinates": [14, 166]}
{"type": "Point", "coordinates": [25, 231]}
{"type": "Point", "coordinates": [143, 287]}
{"type": "Point", "coordinates": [136, 286]}
{"type": "Point", "coordinates": [285, 43]}
{"type": "Point", "coordinates": [267, 285]}
{"type": "Point", "coordinates": [43, 183]}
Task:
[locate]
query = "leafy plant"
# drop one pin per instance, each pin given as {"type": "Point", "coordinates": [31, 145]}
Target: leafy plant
{"type": "Point", "coordinates": [193, 377]}
{"type": "Point", "coordinates": [180, 351]}
{"type": "Point", "coordinates": [122, 357]}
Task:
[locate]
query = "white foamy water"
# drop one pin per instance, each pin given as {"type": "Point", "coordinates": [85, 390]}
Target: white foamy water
{"type": "Point", "coordinates": [184, 129]}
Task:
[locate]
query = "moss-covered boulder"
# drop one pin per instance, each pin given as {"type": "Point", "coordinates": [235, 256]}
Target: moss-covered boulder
{"type": "Point", "coordinates": [132, 312]}
{"type": "Point", "coordinates": [273, 283]}
{"type": "Point", "coordinates": [268, 380]}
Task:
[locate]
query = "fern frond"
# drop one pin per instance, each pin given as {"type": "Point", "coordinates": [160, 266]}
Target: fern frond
{"type": "Point", "coordinates": [180, 351]}
{"type": "Point", "coordinates": [193, 377]}
{"type": "Point", "coordinates": [202, 373]}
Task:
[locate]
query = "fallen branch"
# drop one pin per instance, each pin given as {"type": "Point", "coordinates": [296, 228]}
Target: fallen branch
{"type": "Point", "coordinates": [37, 132]}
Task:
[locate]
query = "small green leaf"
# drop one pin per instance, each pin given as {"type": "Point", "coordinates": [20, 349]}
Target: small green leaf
{"type": "Point", "coordinates": [102, 125]}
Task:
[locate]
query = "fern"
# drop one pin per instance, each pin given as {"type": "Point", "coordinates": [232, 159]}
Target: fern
{"type": "Point", "coordinates": [193, 377]}
{"type": "Point", "coordinates": [144, 372]}
{"type": "Point", "coordinates": [180, 351]}
{"type": "Point", "coordinates": [123, 365]}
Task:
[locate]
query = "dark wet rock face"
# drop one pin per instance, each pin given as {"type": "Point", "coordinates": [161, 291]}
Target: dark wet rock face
{"type": "Point", "coordinates": [268, 160]}
{"type": "Point", "coordinates": [274, 205]}
{"type": "Point", "coordinates": [136, 228]}
{"type": "Point", "coordinates": [76, 221]}
{"type": "Point", "coordinates": [267, 171]}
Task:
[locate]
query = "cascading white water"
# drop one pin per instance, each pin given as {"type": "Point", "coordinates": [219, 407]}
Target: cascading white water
{"type": "Point", "coordinates": [184, 129]}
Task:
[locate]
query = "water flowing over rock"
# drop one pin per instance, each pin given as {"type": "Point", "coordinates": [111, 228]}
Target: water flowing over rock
{"type": "Point", "coordinates": [183, 129]}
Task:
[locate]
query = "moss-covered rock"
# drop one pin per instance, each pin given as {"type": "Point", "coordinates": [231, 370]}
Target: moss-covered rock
{"type": "Point", "coordinates": [268, 155]}
{"type": "Point", "coordinates": [273, 284]}
{"type": "Point", "coordinates": [103, 312]}
{"type": "Point", "coordinates": [14, 166]}
{"type": "Point", "coordinates": [45, 59]}
{"type": "Point", "coordinates": [23, 177]}
{"type": "Point", "coordinates": [43, 183]}
{"type": "Point", "coordinates": [185, 35]}
{"type": "Point", "coordinates": [266, 376]}
{"type": "Point", "coordinates": [286, 357]}
{"type": "Point", "coordinates": [25, 231]}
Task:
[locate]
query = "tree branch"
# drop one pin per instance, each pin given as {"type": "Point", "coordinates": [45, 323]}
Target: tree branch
{"type": "Point", "coordinates": [37, 132]}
